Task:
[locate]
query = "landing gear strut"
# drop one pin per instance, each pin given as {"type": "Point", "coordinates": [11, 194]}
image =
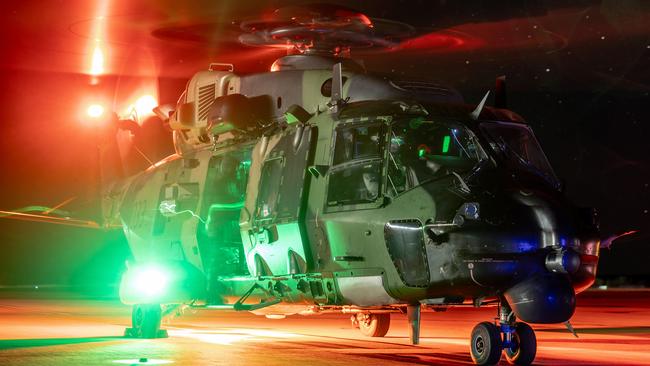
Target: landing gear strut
{"type": "Point", "coordinates": [517, 340]}
{"type": "Point", "coordinates": [145, 320]}
{"type": "Point", "coordinates": [413, 315]}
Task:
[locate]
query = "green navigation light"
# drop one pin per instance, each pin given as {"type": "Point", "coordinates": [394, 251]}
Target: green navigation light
{"type": "Point", "coordinates": [445, 144]}
{"type": "Point", "coordinates": [421, 152]}
{"type": "Point", "coordinates": [151, 281]}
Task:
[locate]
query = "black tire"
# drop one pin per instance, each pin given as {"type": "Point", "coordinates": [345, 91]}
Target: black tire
{"type": "Point", "coordinates": [145, 320]}
{"type": "Point", "coordinates": [485, 344]}
{"type": "Point", "coordinates": [374, 325]}
{"type": "Point", "coordinates": [526, 346]}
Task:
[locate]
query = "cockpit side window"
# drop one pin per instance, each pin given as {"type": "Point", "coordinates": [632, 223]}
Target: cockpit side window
{"type": "Point", "coordinates": [422, 150]}
{"type": "Point", "coordinates": [357, 143]}
{"type": "Point", "coordinates": [355, 176]}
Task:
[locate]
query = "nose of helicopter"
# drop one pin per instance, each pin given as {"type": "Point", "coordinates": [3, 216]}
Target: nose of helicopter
{"type": "Point", "coordinates": [568, 234]}
{"type": "Point", "coordinates": [568, 241]}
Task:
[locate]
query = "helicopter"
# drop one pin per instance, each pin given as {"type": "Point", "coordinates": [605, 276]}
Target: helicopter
{"type": "Point", "coordinates": [317, 187]}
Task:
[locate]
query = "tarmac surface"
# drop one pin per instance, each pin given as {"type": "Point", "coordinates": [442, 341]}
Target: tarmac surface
{"type": "Point", "coordinates": [613, 329]}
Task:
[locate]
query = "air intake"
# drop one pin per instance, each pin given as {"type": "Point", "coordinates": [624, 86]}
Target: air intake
{"type": "Point", "coordinates": [206, 98]}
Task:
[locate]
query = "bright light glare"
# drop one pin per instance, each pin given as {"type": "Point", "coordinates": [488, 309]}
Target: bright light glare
{"type": "Point", "coordinates": [230, 336]}
{"type": "Point", "coordinates": [95, 111]}
{"type": "Point", "coordinates": [97, 63]}
{"type": "Point", "coordinates": [145, 104]}
{"type": "Point", "coordinates": [151, 281]}
{"type": "Point", "coordinates": [149, 361]}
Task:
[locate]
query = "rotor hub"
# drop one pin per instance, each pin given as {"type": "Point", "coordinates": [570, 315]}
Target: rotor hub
{"type": "Point", "coordinates": [321, 29]}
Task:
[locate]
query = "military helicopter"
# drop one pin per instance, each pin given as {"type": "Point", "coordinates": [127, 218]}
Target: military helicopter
{"type": "Point", "coordinates": [317, 187]}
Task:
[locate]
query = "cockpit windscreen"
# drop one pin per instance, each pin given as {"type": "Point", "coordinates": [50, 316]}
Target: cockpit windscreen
{"type": "Point", "coordinates": [422, 150]}
{"type": "Point", "coordinates": [518, 143]}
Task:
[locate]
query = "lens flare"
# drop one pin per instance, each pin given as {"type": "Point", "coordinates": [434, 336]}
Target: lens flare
{"type": "Point", "coordinates": [151, 281]}
{"type": "Point", "coordinates": [97, 61]}
{"type": "Point", "coordinates": [144, 105]}
{"type": "Point", "coordinates": [95, 111]}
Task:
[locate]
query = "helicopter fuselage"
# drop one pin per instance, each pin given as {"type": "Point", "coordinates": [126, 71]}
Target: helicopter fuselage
{"type": "Point", "coordinates": [398, 198]}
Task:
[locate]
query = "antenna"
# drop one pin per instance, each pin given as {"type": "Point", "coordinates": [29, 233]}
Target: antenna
{"type": "Point", "coordinates": [500, 96]}
{"type": "Point", "coordinates": [477, 112]}
{"type": "Point", "coordinates": [337, 89]}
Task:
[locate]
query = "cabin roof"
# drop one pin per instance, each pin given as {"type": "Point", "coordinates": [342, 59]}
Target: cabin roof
{"type": "Point", "coordinates": [445, 110]}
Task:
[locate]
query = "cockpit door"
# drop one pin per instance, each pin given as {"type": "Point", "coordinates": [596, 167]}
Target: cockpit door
{"type": "Point", "coordinates": [273, 227]}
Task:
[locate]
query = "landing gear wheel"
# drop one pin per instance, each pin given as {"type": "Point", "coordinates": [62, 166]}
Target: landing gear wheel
{"type": "Point", "coordinates": [485, 345]}
{"type": "Point", "coordinates": [354, 321]}
{"type": "Point", "coordinates": [145, 320]}
{"type": "Point", "coordinates": [373, 325]}
{"type": "Point", "coordinates": [525, 346]}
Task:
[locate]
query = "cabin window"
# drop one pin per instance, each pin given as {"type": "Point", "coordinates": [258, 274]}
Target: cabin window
{"type": "Point", "coordinates": [229, 175]}
{"type": "Point", "coordinates": [224, 195]}
{"type": "Point", "coordinates": [281, 181]}
{"type": "Point", "coordinates": [355, 184]}
{"type": "Point", "coordinates": [355, 176]}
{"type": "Point", "coordinates": [220, 241]}
{"type": "Point", "coordinates": [269, 188]}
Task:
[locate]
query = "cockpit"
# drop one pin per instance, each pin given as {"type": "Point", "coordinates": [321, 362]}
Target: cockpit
{"type": "Point", "coordinates": [422, 150]}
{"type": "Point", "coordinates": [389, 156]}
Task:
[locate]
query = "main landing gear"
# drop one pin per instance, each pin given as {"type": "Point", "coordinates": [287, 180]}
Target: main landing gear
{"type": "Point", "coordinates": [371, 324]}
{"type": "Point", "coordinates": [488, 341]}
{"type": "Point", "coordinates": [145, 320]}
{"type": "Point", "coordinates": [377, 324]}
{"type": "Point", "coordinates": [517, 340]}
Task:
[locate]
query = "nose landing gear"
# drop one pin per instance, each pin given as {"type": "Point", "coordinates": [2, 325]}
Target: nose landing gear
{"type": "Point", "coordinates": [486, 345]}
{"type": "Point", "coordinates": [524, 345]}
{"type": "Point", "coordinates": [517, 340]}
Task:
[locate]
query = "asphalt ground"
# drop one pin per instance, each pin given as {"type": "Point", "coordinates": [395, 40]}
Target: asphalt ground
{"type": "Point", "coordinates": [56, 329]}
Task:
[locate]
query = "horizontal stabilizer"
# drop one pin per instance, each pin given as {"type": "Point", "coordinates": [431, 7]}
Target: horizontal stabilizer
{"type": "Point", "coordinates": [48, 215]}
{"type": "Point", "coordinates": [607, 243]}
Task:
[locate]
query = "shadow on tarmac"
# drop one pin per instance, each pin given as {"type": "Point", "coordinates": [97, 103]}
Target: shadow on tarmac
{"type": "Point", "coordinates": [425, 358]}
{"type": "Point", "coordinates": [6, 344]}
{"type": "Point", "coordinates": [611, 330]}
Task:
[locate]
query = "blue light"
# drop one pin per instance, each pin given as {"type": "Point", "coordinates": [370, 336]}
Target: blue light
{"type": "Point", "coordinates": [471, 211]}
{"type": "Point", "coordinates": [524, 246]}
{"type": "Point", "coordinates": [550, 298]}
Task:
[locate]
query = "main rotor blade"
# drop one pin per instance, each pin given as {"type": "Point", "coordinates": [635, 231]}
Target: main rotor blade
{"type": "Point", "coordinates": [49, 219]}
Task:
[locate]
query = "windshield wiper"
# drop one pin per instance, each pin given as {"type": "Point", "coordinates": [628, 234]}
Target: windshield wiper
{"type": "Point", "coordinates": [463, 185]}
{"type": "Point", "coordinates": [459, 144]}
{"type": "Point", "coordinates": [507, 149]}
{"type": "Point", "coordinates": [351, 163]}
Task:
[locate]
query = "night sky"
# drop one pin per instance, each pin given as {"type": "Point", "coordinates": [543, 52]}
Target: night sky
{"type": "Point", "coordinates": [578, 71]}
